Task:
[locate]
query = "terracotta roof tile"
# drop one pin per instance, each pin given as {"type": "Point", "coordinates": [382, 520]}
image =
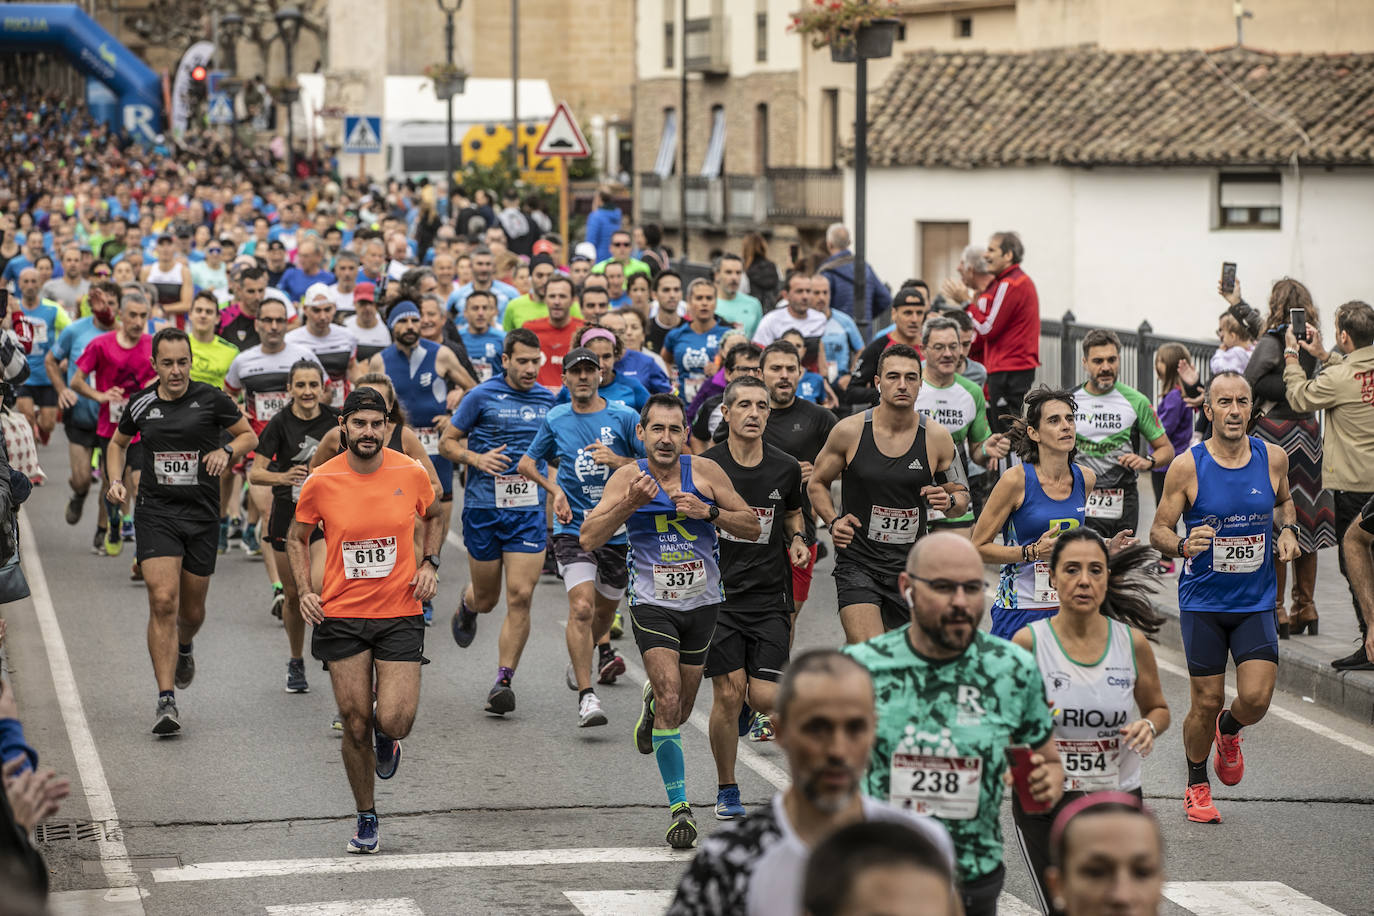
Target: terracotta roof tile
{"type": "Point", "coordinates": [1085, 106]}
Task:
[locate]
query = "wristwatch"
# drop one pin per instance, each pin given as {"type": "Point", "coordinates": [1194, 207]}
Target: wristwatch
{"type": "Point", "coordinates": [801, 534]}
{"type": "Point", "coordinates": [432, 559]}
{"type": "Point", "coordinates": [228, 450]}
{"type": "Point", "coordinates": [1293, 528]}
{"type": "Point", "coordinates": [713, 514]}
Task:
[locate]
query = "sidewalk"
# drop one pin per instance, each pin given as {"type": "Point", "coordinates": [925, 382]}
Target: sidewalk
{"type": "Point", "coordinates": [1304, 661]}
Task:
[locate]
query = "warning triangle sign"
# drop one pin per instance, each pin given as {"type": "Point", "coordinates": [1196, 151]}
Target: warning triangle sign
{"type": "Point", "coordinates": [363, 137]}
{"type": "Point", "coordinates": [562, 136]}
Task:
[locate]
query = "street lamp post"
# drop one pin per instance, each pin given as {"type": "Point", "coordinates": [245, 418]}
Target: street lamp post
{"type": "Point", "coordinates": [449, 9]}
{"type": "Point", "coordinates": [288, 20]}
{"type": "Point", "coordinates": [230, 28]}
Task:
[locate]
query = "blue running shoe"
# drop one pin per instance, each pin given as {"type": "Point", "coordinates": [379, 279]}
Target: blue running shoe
{"type": "Point", "coordinates": [728, 805]}
{"type": "Point", "coordinates": [367, 839]}
{"type": "Point", "coordinates": [223, 535]}
{"type": "Point", "coordinates": [746, 719]}
{"type": "Point", "coordinates": [251, 545]}
{"type": "Point", "coordinates": [126, 528]}
{"type": "Point", "coordinates": [464, 625]}
{"type": "Point", "coordinates": [762, 729]}
{"type": "Point", "coordinates": [428, 608]}
{"type": "Point", "coordinates": [388, 750]}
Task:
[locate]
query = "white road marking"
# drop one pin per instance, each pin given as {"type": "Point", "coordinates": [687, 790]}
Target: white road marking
{"type": "Point", "coordinates": [345, 865]}
{"type": "Point", "coordinates": [114, 857]}
{"type": "Point", "coordinates": [101, 901]}
{"type": "Point", "coordinates": [620, 903]}
{"type": "Point", "coordinates": [1007, 905]}
{"type": "Point", "coordinates": [391, 906]}
{"type": "Point", "coordinates": [1287, 715]}
{"type": "Point", "coordinates": [1243, 898]}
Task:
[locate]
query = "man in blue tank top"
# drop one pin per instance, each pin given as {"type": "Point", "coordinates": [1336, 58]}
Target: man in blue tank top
{"type": "Point", "coordinates": [671, 505]}
{"type": "Point", "coordinates": [1232, 491]}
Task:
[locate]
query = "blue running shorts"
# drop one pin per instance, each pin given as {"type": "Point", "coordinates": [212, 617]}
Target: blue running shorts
{"type": "Point", "coordinates": [488, 533]}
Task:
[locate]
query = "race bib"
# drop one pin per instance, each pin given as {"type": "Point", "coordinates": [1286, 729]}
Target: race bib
{"type": "Point", "coordinates": [40, 331]}
{"type": "Point", "coordinates": [893, 526]}
{"type": "Point", "coordinates": [934, 515]}
{"type": "Point", "coordinates": [117, 410]}
{"type": "Point", "coordinates": [176, 469]}
{"type": "Point", "coordinates": [1105, 503]}
{"type": "Point", "coordinates": [690, 387]}
{"type": "Point", "coordinates": [676, 581]}
{"type": "Point", "coordinates": [515, 492]}
{"type": "Point", "coordinates": [765, 528]}
{"type": "Point", "coordinates": [946, 787]}
{"type": "Point", "coordinates": [429, 439]}
{"type": "Point", "coordinates": [267, 404]}
{"type": "Point", "coordinates": [1044, 592]}
{"type": "Point", "coordinates": [1243, 554]}
{"type": "Point", "coordinates": [483, 369]}
{"type": "Point", "coordinates": [1091, 765]}
{"type": "Point", "coordinates": [337, 392]}
{"type": "Point", "coordinates": [370, 559]}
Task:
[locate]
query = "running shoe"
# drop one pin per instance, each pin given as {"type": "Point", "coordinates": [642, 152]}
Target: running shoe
{"type": "Point", "coordinates": [113, 542]}
{"type": "Point", "coordinates": [428, 609]}
{"type": "Point", "coordinates": [236, 529]}
{"type": "Point", "coordinates": [295, 678]}
{"type": "Point", "coordinates": [1355, 661]}
{"type": "Point", "coordinates": [366, 839]}
{"type": "Point", "coordinates": [682, 832]}
{"type": "Point", "coordinates": [762, 729]}
{"type": "Point", "coordinates": [570, 677]}
{"type": "Point", "coordinates": [1228, 761]}
{"type": "Point", "coordinates": [223, 535]}
{"type": "Point", "coordinates": [251, 545]}
{"type": "Point", "coordinates": [589, 712]}
{"type": "Point", "coordinates": [126, 528]}
{"type": "Point", "coordinates": [166, 722]}
{"type": "Point", "coordinates": [617, 626]}
{"type": "Point", "coordinates": [1197, 804]}
{"type": "Point", "coordinates": [278, 602]}
{"type": "Point", "coordinates": [98, 542]}
{"type": "Point", "coordinates": [388, 754]}
{"type": "Point", "coordinates": [728, 805]}
{"type": "Point", "coordinates": [75, 506]}
{"type": "Point", "coordinates": [464, 625]}
{"type": "Point", "coordinates": [746, 719]}
{"type": "Point", "coordinates": [186, 670]}
{"type": "Point", "coordinates": [644, 728]}
{"type": "Point", "coordinates": [500, 700]}
{"type": "Point", "coordinates": [337, 726]}
{"type": "Point", "coordinates": [136, 572]}
{"type": "Point", "coordinates": [612, 666]}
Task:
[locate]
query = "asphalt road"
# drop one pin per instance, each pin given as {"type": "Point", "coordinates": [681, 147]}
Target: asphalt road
{"type": "Point", "coordinates": [248, 811]}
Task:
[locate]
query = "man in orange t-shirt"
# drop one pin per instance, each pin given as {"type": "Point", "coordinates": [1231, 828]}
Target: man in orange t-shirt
{"type": "Point", "coordinates": [555, 332]}
{"type": "Point", "coordinates": [367, 616]}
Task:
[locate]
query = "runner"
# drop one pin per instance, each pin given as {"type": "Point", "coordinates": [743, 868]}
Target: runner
{"type": "Point", "coordinates": [170, 276]}
{"type": "Point", "coordinates": [896, 466]}
{"type": "Point", "coordinates": [429, 382]}
{"type": "Point", "coordinates": [211, 357]}
{"type": "Point", "coordinates": [37, 399]}
{"type": "Point", "coordinates": [503, 513]}
{"type": "Point", "coordinates": [691, 346]}
{"type": "Point", "coordinates": [634, 364]}
{"type": "Point", "coordinates": [1100, 678]}
{"type": "Point", "coordinates": [119, 362]}
{"type": "Point", "coordinates": [609, 348]}
{"type": "Point", "coordinates": [365, 325]}
{"type": "Point", "coordinates": [588, 438]}
{"type": "Point", "coordinates": [282, 462]}
{"type": "Point", "coordinates": [708, 425]}
{"type": "Point", "coordinates": [665, 315]}
{"type": "Point", "coordinates": [368, 624]}
{"type": "Point", "coordinates": [909, 306]}
{"type": "Point", "coordinates": [1111, 420]}
{"type": "Point", "coordinates": [482, 340]}
{"type": "Point", "coordinates": [555, 330]}
{"type": "Point", "coordinates": [754, 625]}
{"type": "Point", "coordinates": [334, 346]}
{"type": "Point", "coordinates": [80, 415]}
{"type": "Point", "coordinates": [1232, 492]}
{"type": "Point", "coordinates": [670, 505]}
{"type": "Point", "coordinates": [1033, 502]}
{"type": "Point", "coordinates": [179, 423]}
{"type": "Point", "coordinates": [958, 405]}
{"type": "Point", "coordinates": [1108, 833]}
{"type": "Point", "coordinates": [950, 701]}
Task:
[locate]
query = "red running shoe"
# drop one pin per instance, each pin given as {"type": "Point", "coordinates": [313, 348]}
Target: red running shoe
{"type": "Point", "coordinates": [1197, 804]}
{"type": "Point", "coordinates": [1228, 761]}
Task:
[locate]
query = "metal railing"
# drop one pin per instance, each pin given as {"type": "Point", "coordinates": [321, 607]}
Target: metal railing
{"type": "Point", "coordinates": [805, 194]}
{"type": "Point", "coordinates": [1061, 354]}
{"type": "Point", "coordinates": [740, 202]}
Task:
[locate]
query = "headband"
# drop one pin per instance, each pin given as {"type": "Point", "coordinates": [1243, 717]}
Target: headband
{"type": "Point", "coordinates": [1085, 803]}
{"type": "Point", "coordinates": [598, 334]}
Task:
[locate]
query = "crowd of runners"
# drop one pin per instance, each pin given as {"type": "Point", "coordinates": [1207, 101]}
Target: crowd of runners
{"type": "Point", "coordinates": [240, 363]}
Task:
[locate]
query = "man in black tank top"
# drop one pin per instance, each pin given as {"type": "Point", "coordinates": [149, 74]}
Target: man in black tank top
{"type": "Point", "coordinates": [896, 465]}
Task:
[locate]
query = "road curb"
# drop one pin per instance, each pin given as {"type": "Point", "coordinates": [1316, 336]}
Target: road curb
{"type": "Point", "coordinates": [1302, 671]}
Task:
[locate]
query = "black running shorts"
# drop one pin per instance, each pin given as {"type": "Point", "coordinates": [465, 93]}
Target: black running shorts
{"type": "Point", "coordinates": [854, 585]}
{"type": "Point", "coordinates": [196, 543]}
{"type": "Point", "coordinates": [389, 639]}
{"type": "Point", "coordinates": [754, 640]}
{"type": "Point", "coordinates": [687, 633]}
{"type": "Point", "coordinates": [279, 524]}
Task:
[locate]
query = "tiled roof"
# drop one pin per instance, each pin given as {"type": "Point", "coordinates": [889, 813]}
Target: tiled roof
{"type": "Point", "coordinates": [1085, 106]}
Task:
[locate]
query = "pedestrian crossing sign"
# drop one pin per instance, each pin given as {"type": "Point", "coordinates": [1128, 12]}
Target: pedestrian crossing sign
{"type": "Point", "coordinates": [221, 109]}
{"type": "Point", "coordinates": [362, 135]}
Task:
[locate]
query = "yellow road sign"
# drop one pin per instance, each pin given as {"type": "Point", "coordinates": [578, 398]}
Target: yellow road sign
{"type": "Point", "coordinates": [488, 144]}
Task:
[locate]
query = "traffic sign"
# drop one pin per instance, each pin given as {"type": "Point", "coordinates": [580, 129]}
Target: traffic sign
{"type": "Point", "coordinates": [221, 109]}
{"type": "Point", "coordinates": [362, 135]}
{"type": "Point", "coordinates": [562, 136]}
{"type": "Point", "coordinates": [212, 80]}
{"type": "Point", "coordinates": [489, 144]}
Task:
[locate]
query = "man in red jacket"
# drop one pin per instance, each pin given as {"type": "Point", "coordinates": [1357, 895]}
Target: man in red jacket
{"type": "Point", "coordinates": [1006, 316]}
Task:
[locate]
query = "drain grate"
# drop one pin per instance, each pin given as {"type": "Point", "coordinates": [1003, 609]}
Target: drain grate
{"type": "Point", "coordinates": [77, 831]}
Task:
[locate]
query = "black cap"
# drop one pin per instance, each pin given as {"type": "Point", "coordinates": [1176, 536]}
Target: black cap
{"type": "Point", "coordinates": [363, 399]}
{"type": "Point", "coordinates": [909, 295]}
{"type": "Point", "coordinates": [276, 244]}
{"type": "Point", "coordinates": [541, 258]}
{"type": "Point", "coordinates": [580, 355]}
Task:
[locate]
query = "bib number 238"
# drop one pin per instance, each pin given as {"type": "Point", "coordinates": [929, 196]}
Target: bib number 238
{"type": "Point", "coordinates": [946, 787]}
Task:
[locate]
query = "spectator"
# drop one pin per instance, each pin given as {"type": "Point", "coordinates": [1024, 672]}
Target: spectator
{"type": "Point", "coordinates": [1299, 434]}
{"type": "Point", "coordinates": [973, 277]}
{"type": "Point", "coordinates": [825, 723]}
{"type": "Point", "coordinates": [1342, 390]}
{"type": "Point", "coordinates": [1006, 317]}
{"type": "Point", "coordinates": [969, 368]}
{"type": "Point", "coordinates": [427, 223]}
{"type": "Point", "coordinates": [1237, 329]}
{"type": "Point", "coordinates": [649, 240]}
{"type": "Point", "coordinates": [761, 273]}
{"type": "Point", "coordinates": [605, 219]}
{"type": "Point", "coordinates": [838, 269]}
{"type": "Point", "coordinates": [1175, 415]}
{"type": "Point", "coordinates": [733, 307]}
{"type": "Point", "coordinates": [520, 235]}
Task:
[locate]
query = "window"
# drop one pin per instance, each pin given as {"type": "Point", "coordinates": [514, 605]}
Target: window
{"type": "Point", "coordinates": [963, 26]}
{"type": "Point", "coordinates": [760, 138]}
{"type": "Point", "coordinates": [669, 44]}
{"type": "Point", "coordinates": [1249, 201]}
{"type": "Point", "coordinates": [830, 128]}
{"type": "Point", "coordinates": [761, 37]}
{"type": "Point", "coordinates": [666, 159]}
{"type": "Point", "coordinates": [901, 32]}
{"type": "Point", "coordinates": [714, 163]}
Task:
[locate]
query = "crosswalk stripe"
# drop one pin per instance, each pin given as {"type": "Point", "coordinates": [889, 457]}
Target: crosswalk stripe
{"type": "Point", "coordinates": [620, 903]}
{"type": "Point", "coordinates": [1007, 905]}
{"type": "Point", "coordinates": [1243, 898]}
{"type": "Point", "coordinates": [392, 906]}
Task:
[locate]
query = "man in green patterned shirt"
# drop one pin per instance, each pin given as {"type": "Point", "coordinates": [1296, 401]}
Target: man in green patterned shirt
{"type": "Point", "coordinates": [950, 699]}
{"type": "Point", "coordinates": [1111, 420]}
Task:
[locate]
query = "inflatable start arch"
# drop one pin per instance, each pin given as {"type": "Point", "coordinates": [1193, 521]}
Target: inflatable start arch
{"type": "Point", "coordinates": [67, 30]}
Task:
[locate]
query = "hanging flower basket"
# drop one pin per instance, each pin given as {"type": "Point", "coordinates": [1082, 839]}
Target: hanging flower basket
{"type": "Point", "coordinates": [448, 80]}
{"type": "Point", "coordinates": [873, 40]}
{"type": "Point", "coordinates": [848, 27]}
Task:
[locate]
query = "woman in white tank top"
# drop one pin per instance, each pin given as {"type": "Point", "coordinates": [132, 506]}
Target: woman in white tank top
{"type": "Point", "coordinates": [1101, 680]}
